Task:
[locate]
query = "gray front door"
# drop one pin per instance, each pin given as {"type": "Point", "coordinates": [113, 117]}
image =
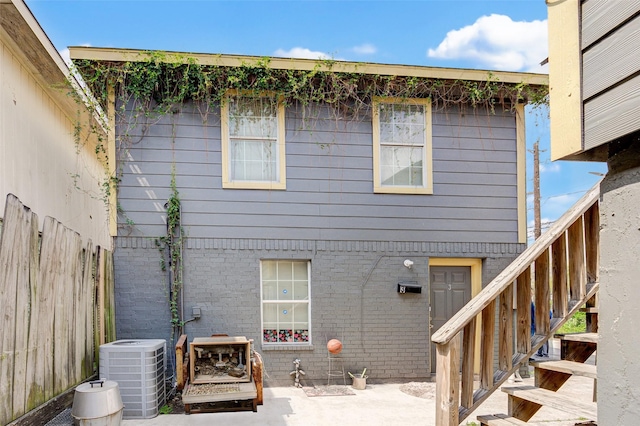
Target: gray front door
{"type": "Point", "coordinates": [450, 291]}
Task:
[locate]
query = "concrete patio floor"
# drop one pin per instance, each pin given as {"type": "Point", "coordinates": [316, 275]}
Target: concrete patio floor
{"type": "Point", "coordinates": [378, 404]}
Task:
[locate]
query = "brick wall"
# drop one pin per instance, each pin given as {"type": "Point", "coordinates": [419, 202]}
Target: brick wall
{"type": "Point", "coordinates": [353, 298]}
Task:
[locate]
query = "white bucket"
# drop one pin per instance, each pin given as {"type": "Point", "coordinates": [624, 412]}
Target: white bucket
{"type": "Point", "coordinates": [359, 383]}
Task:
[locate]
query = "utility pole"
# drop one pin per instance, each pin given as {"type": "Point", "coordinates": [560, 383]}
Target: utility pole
{"type": "Point", "coordinates": [537, 228]}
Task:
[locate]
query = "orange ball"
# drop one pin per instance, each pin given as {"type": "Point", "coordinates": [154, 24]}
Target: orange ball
{"type": "Point", "coordinates": [334, 346]}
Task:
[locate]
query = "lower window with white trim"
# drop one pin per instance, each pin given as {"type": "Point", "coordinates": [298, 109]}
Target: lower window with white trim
{"type": "Point", "coordinates": [285, 294]}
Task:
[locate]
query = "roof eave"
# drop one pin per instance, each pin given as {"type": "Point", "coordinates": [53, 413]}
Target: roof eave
{"type": "Point", "coordinates": [135, 55]}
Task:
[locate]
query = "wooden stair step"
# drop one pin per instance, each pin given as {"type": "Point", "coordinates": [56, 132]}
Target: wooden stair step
{"type": "Point", "coordinates": [589, 310]}
{"type": "Point", "coordinates": [580, 337]}
{"type": "Point", "coordinates": [554, 400]}
{"type": "Point", "coordinates": [506, 420]}
{"type": "Point", "coordinates": [500, 420]}
{"type": "Point", "coordinates": [569, 367]}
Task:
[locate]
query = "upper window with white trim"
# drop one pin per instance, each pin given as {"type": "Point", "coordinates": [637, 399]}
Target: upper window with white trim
{"type": "Point", "coordinates": [253, 153]}
{"type": "Point", "coordinates": [402, 146]}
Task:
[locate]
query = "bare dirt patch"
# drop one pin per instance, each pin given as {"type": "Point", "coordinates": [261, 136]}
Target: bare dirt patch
{"type": "Point", "coordinates": [174, 404]}
{"type": "Point", "coordinates": [424, 390]}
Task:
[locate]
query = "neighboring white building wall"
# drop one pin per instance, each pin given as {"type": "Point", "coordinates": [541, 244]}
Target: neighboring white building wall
{"type": "Point", "coordinates": [38, 151]}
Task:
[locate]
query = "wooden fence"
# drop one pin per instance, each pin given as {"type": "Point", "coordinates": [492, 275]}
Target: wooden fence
{"type": "Point", "coordinates": [56, 308]}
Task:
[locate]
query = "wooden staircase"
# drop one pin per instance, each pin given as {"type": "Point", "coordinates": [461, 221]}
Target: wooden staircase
{"type": "Point", "coordinates": [525, 401]}
{"type": "Point", "coordinates": [561, 269]}
{"type": "Point", "coordinates": [575, 350]}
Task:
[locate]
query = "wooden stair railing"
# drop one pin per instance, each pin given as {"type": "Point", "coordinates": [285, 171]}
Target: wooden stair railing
{"type": "Point", "coordinates": [564, 265]}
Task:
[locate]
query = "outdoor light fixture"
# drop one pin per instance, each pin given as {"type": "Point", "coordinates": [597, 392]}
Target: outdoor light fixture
{"type": "Point", "coordinates": [408, 263]}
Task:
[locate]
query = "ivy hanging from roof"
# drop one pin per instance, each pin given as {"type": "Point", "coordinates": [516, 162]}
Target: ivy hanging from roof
{"type": "Point", "coordinates": [158, 82]}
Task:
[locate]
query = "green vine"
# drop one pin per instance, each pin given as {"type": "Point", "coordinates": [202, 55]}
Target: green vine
{"type": "Point", "coordinates": [158, 81]}
{"type": "Point", "coordinates": [173, 244]}
{"type": "Point", "coordinates": [91, 133]}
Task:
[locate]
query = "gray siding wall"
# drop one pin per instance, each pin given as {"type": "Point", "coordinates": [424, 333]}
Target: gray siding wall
{"type": "Point", "coordinates": [329, 193]}
{"type": "Point", "coordinates": [610, 82]}
{"type": "Point", "coordinates": [600, 16]}
{"type": "Point", "coordinates": [356, 240]}
{"type": "Point", "coordinates": [353, 298]}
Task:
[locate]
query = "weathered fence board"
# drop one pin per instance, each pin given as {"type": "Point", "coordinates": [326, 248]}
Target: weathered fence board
{"type": "Point", "coordinates": [46, 307]}
{"type": "Point", "coordinates": [47, 292]}
{"type": "Point", "coordinates": [85, 318]}
{"type": "Point", "coordinates": [100, 336]}
{"type": "Point", "coordinates": [60, 316]}
{"type": "Point", "coordinates": [105, 285]}
{"type": "Point", "coordinates": [75, 328]}
{"type": "Point", "coordinates": [17, 220]}
{"type": "Point", "coordinates": [28, 228]}
{"type": "Point", "coordinates": [32, 354]}
{"type": "Point", "coordinates": [110, 300]}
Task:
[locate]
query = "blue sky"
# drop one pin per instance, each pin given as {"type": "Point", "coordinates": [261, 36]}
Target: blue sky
{"type": "Point", "coordinates": [508, 35]}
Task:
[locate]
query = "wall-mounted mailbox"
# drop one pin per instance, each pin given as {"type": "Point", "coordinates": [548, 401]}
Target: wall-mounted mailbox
{"type": "Point", "coordinates": [409, 287]}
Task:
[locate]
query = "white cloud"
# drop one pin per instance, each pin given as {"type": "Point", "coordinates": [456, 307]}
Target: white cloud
{"type": "Point", "coordinates": [497, 42]}
{"type": "Point", "coordinates": [65, 56]}
{"type": "Point", "coordinates": [365, 49]}
{"type": "Point", "coordinates": [550, 168]}
{"type": "Point", "coordinates": [557, 205]}
{"type": "Point", "coordinates": [563, 199]}
{"type": "Point", "coordinates": [545, 224]}
{"type": "Point", "coordinates": [302, 53]}
{"type": "Point", "coordinates": [64, 53]}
